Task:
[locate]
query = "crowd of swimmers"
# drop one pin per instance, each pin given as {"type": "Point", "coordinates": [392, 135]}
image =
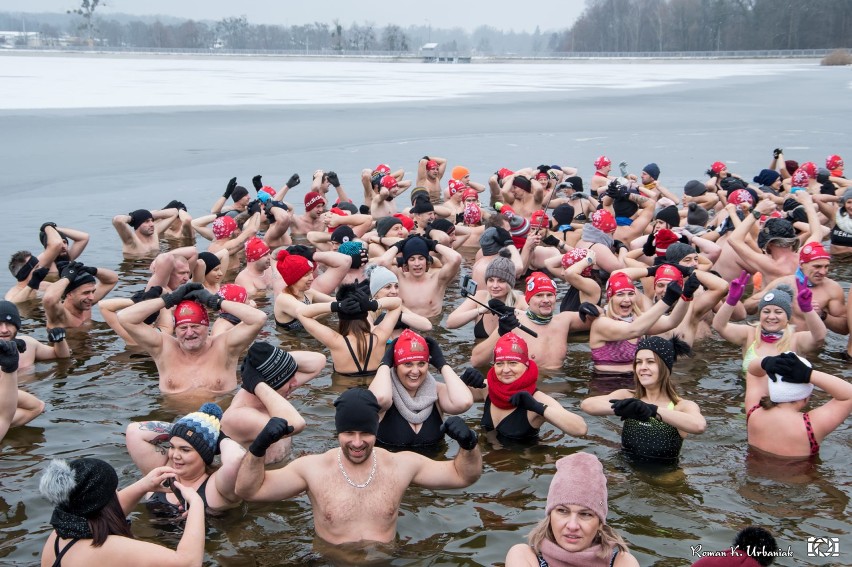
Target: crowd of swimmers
{"type": "Point", "coordinates": [645, 273]}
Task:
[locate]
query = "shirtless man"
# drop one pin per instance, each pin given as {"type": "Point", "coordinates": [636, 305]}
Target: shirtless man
{"type": "Point", "coordinates": [430, 170]}
{"type": "Point", "coordinates": [601, 178]}
{"type": "Point", "coordinates": [550, 347]}
{"type": "Point", "coordinates": [139, 233]}
{"type": "Point", "coordinates": [10, 324]}
{"type": "Point", "coordinates": [191, 359]}
{"type": "Point", "coordinates": [422, 290]}
{"type": "Point", "coordinates": [52, 236]}
{"type": "Point", "coordinates": [371, 180]}
{"type": "Point", "coordinates": [256, 277]}
{"type": "Point", "coordinates": [68, 301]}
{"type": "Point", "coordinates": [16, 406]}
{"type": "Point", "coordinates": [356, 489]}
{"type": "Point", "coordinates": [238, 194]}
{"type": "Point", "coordinates": [225, 233]}
{"type": "Point", "coordinates": [524, 195]}
{"type": "Point", "coordinates": [312, 218]}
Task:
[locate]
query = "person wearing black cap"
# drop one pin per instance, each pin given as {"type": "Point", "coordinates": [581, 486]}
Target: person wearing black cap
{"type": "Point", "coordinates": [523, 192]}
{"type": "Point", "coordinates": [210, 269]}
{"type": "Point", "coordinates": [68, 301]}
{"type": "Point", "coordinates": [656, 419]}
{"type": "Point", "coordinates": [52, 236]}
{"type": "Point", "coordinates": [140, 230]}
{"type": "Point", "coordinates": [89, 525]}
{"type": "Point", "coordinates": [356, 489]}
{"type": "Point", "coordinates": [36, 351]}
{"type": "Point", "coordinates": [651, 186]}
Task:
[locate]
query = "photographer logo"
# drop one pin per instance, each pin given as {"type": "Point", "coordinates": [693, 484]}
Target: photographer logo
{"type": "Point", "coordinates": [823, 547]}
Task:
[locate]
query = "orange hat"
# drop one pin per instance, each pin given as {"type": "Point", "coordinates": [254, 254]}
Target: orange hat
{"type": "Point", "coordinates": [256, 249]}
{"type": "Point", "coordinates": [410, 347]}
{"type": "Point", "coordinates": [191, 312]}
{"type": "Point", "coordinates": [459, 172]}
{"type": "Point", "coordinates": [668, 273]}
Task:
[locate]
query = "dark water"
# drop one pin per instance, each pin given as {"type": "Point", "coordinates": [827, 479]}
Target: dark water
{"type": "Point", "coordinates": [81, 168]}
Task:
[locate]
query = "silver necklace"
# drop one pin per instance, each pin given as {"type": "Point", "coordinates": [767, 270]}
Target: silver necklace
{"type": "Point", "coordinates": [346, 476]}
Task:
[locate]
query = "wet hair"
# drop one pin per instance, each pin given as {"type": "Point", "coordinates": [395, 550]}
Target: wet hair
{"type": "Point", "coordinates": [109, 520]}
{"type": "Point", "coordinates": [757, 539]}
{"type": "Point", "coordinates": [607, 537]}
{"type": "Point", "coordinates": [18, 260]}
{"type": "Point", "coordinates": [664, 380]}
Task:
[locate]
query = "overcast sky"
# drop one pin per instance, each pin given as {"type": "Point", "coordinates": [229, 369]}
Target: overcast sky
{"type": "Point", "coordinates": [469, 14]}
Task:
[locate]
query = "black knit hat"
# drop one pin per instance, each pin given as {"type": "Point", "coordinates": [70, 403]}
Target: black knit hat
{"type": "Point", "coordinates": [669, 215]}
{"type": "Point", "coordinates": [81, 487]}
{"type": "Point", "coordinates": [201, 430]}
{"type": "Point", "coordinates": [9, 314]}
{"type": "Point", "coordinates": [357, 409]}
{"type": "Point", "coordinates": [138, 217]}
{"type": "Point", "coordinates": [667, 349]}
{"type": "Point", "coordinates": [266, 363]}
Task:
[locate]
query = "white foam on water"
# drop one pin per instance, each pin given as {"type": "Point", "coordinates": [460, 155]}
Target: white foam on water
{"type": "Point", "coordinates": [75, 82]}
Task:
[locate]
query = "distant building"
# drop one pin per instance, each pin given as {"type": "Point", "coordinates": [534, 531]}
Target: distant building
{"type": "Point", "coordinates": [431, 54]}
{"type": "Point", "coordinates": [12, 39]}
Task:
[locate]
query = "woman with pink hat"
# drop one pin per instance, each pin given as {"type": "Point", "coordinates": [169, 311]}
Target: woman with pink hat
{"type": "Point", "coordinates": [574, 531]}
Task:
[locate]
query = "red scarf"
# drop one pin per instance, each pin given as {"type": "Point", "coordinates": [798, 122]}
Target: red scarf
{"type": "Point", "coordinates": [599, 174]}
{"type": "Point", "coordinates": [499, 393]}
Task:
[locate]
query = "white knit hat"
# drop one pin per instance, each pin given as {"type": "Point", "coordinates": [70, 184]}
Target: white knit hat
{"type": "Point", "coordinates": [780, 391]}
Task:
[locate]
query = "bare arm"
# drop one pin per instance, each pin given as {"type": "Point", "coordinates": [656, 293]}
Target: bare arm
{"type": "Point", "coordinates": [252, 321]}
{"type": "Point", "coordinates": [256, 485]}
{"type": "Point", "coordinates": [601, 405]}
{"type": "Point", "coordinates": [455, 397]}
{"type": "Point", "coordinates": [133, 320]}
{"type": "Point", "coordinates": [8, 400]}
{"type": "Point", "coordinates": [686, 417]}
{"type": "Point", "coordinates": [559, 417]}
{"type": "Point", "coordinates": [462, 471]}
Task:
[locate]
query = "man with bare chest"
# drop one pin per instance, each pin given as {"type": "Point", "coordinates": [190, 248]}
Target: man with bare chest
{"type": "Point", "coordinates": [140, 230]}
{"type": "Point", "coordinates": [356, 489]}
{"type": "Point", "coordinates": [256, 277]}
{"type": "Point", "coordinates": [312, 219]}
{"type": "Point", "coordinates": [192, 359]}
{"type": "Point", "coordinates": [430, 170]}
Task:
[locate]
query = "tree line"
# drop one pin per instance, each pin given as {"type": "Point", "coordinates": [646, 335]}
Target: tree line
{"type": "Point", "coordinates": [604, 26]}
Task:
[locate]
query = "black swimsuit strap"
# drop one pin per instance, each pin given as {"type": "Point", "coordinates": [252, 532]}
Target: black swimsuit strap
{"type": "Point", "coordinates": [352, 353]}
{"type": "Point", "coordinates": [60, 554]}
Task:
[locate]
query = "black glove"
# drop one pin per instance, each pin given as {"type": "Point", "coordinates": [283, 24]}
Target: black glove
{"type": "Point", "coordinates": [71, 271]}
{"type": "Point", "coordinates": [9, 354]}
{"type": "Point", "coordinates": [253, 207]}
{"type": "Point", "coordinates": [229, 190]}
{"type": "Point", "coordinates": [387, 359]}
{"type": "Point", "coordinates": [652, 271]}
{"type": "Point", "coordinates": [275, 429]}
{"type": "Point", "coordinates": [673, 293]}
{"type": "Point", "coordinates": [500, 307]}
{"type": "Point", "coordinates": [632, 408]}
{"type": "Point", "coordinates": [550, 240]}
{"type": "Point", "coordinates": [431, 244]}
{"type": "Point", "coordinates": [618, 245]}
{"type": "Point", "coordinates": [365, 303]}
{"type": "Point", "coordinates": [332, 178]}
{"type": "Point", "coordinates": [788, 367]}
{"type": "Point", "coordinates": [178, 295]}
{"type": "Point", "coordinates": [302, 250]}
{"type": "Point", "coordinates": [204, 297]}
{"type": "Point", "coordinates": [256, 181]}
{"type": "Point", "coordinates": [524, 400]}
{"type": "Point", "coordinates": [89, 270]}
{"type": "Point", "coordinates": [588, 310]}
{"type": "Point", "coordinates": [436, 355]}
{"type": "Point", "coordinates": [649, 249]}
{"type": "Point", "coordinates": [361, 259]}
{"type": "Point", "coordinates": [686, 271]}
{"type": "Point", "coordinates": [350, 306]}
{"type": "Point", "coordinates": [612, 189]}
{"type": "Point", "coordinates": [507, 323]}
{"type": "Point", "coordinates": [459, 218]}
{"type": "Point", "coordinates": [690, 286]}
{"type": "Point", "coordinates": [473, 378]}
{"type": "Point", "coordinates": [153, 293]}
{"type": "Point", "coordinates": [55, 335]}
{"type": "Point", "coordinates": [456, 428]}
{"type": "Point", "coordinates": [503, 236]}
{"type": "Point", "coordinates": [427, 158]}
{"type": "Point", "coordinates": [777, 152]}
{"type": "Point", "coordinates": [293, 181]}
{"type": "Point", "coordinates": [37, 277]}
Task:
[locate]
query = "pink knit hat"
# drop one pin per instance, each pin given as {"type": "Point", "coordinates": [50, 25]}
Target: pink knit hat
{"type": "Point", "coordinates": [579, 481]}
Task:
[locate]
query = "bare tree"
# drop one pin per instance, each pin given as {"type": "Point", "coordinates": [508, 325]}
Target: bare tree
{"type": "Point", "coordinates": [87, 10]}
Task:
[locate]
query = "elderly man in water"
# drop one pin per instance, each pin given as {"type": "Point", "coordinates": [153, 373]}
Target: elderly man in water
{"type": "Point", "coordinates": [356, 489]}
{"type": "Point", "coordinates": [192, 359]}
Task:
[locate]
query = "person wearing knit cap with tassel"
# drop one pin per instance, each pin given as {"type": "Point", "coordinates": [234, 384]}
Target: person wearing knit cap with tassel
{"type": "Point", "coordinates": [256, 277]}
{"type": "Point", "coordinates": [656, 419]}
{"type": "Point", "coordinates": [778, 389]}
{"type": "Point", "coordinates": [192, 359]}
{"type": "Point", "coordinates": [499, 284]}
{"type": "Point", "coordinates": [773, 333]}
{"type": "Point", "coordinates": [89, 519]}
{"type": "Point", "coordinates": [514, 406]}
{"type": "Point", "coordinates": [413, 403]}
{"type": "Point", "coordinates": [574, 532]}
{"type": "Point", "coordinates": [356, 489]}
{"type": "Point", "coordinates": [192, 442]}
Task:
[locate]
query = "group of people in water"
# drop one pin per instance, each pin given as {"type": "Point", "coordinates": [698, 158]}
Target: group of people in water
{"type": "Point", "coordinates": [645, 273]}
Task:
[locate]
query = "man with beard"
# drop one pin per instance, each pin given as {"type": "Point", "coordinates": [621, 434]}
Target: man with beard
{"type": "Point", "coordinates": [192, 359]}
{"type": "Point", "coordinates": [139, 233]}
{"type": "Point", "coordinates": [68, 301]}
{"type": "Point", "coordinates": [356, 489]}
{"type": "Point", "coordinates": [548, 350]}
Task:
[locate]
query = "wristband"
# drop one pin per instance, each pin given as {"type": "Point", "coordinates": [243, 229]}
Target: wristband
{"type": "Point", "coordinates": [685, 298]}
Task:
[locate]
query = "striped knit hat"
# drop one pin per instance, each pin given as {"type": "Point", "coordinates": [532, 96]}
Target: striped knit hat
{"type": "Point", "coordinates": [201, 430]}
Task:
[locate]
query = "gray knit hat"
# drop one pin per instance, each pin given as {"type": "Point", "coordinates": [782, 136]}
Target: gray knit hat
{"type": "Point", "coordinates": [503, 268]}
{"type": "Point", "coordinates": [678, 251]}
{"type": "Point", "coordinates": [781, 296]}
{"type": "Point", "coordinates": [380, 277]}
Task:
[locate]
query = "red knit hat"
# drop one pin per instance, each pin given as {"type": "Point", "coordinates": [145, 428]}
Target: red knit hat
{"type": "Point", "coordinates": [232, 292]}
{"type": "Point", "coordinates": [603, 220]}
{"type": "Point", "coordinates": [810, 168]}
{"type": "Point", "coordinates": [602, 162]}
{"type": "Point", "coordinates": [256, 249]}
{"type": "Point", "coordinates": [718, 166]}
{"type": "Point", "coordinates": [800, 178]}
{"type": "Point", "coordinates": [538, 283]}
{"type": "Point", "coordinates": [668, 273]}
{"type": "Point", "coordinates": [224, 227]}
{"type": "Point", "coordinates": [618, 282]}
{"type": "Point", "coordinates": [539, 219]}
{"type": "Point", "coordinates": [292, 267]}
{"type": "Point", "coordinates": [813, 251]}
{"type": "Point", "coordinates": [740, 196]}
{"type": "Point", "coordinates": [406, 221]}
{"type": "Point", "coordinates": [410, 347]}
{"type": "Point", "coordinates": [313, 200]}
{"type": "Point", "coordinates": [188, 311]}
{"type": "Point", "coordinates": [573, 256]}
{"type": "Point", "coordinates": [511, 347]}
{"type": "Point", "coordinates": [663, 239]}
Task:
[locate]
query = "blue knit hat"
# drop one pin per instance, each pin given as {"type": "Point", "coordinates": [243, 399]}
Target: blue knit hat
{"type": "Point", "coordinates": [653, 170]}
{"type": "Point", "coordinates": [766, 177]}
{"type": "Point", "coordinates": [201, 430]}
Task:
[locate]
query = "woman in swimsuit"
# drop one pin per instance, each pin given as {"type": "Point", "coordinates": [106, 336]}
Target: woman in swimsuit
{"type": "Point", "coordinates": [513, 404]}
{"type": "Point", "coordinates": [356, 348]}
{"type": "Point", "coordinates": [412, 402]}
{"type": "Point", "coordinates": [90, 525]}
{"type": "Point", "coordinates": [574, 530]}
{"type": "Point", "coordinates": [210, 269]}
{"type": "Point", "coordinates": [303, 286]}
{"type": "Point", "coordinates": [499, 281]}
{"type": "Point", "coordinates": [384, 283]}
{"type": "Point", "coordinates": [656, 419]}
{"type": "Point", "coordinates": [192, 443]}
{"type": "Point", "coordinates": [775, 421]}
{"type": "Point", "coordinates": [612, 337]}
{"type": "Point", "coordinates": [773, 334]}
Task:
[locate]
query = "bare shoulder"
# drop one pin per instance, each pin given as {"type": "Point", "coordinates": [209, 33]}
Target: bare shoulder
{"type": "Point", "coordinates": [687, 406]}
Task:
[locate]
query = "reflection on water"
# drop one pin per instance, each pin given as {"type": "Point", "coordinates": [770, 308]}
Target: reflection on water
{"type": "Point", "coordinates": [718, 486]}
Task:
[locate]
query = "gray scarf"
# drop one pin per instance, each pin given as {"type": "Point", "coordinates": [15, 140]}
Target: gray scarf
{"type": "Point", "coordinates": [415, 410]}
{"type": "Point", "coordinates": [596, 236]}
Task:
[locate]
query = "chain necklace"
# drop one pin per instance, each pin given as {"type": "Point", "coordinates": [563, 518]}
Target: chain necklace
{"type": "Point", "coordinates": [346, 476]}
